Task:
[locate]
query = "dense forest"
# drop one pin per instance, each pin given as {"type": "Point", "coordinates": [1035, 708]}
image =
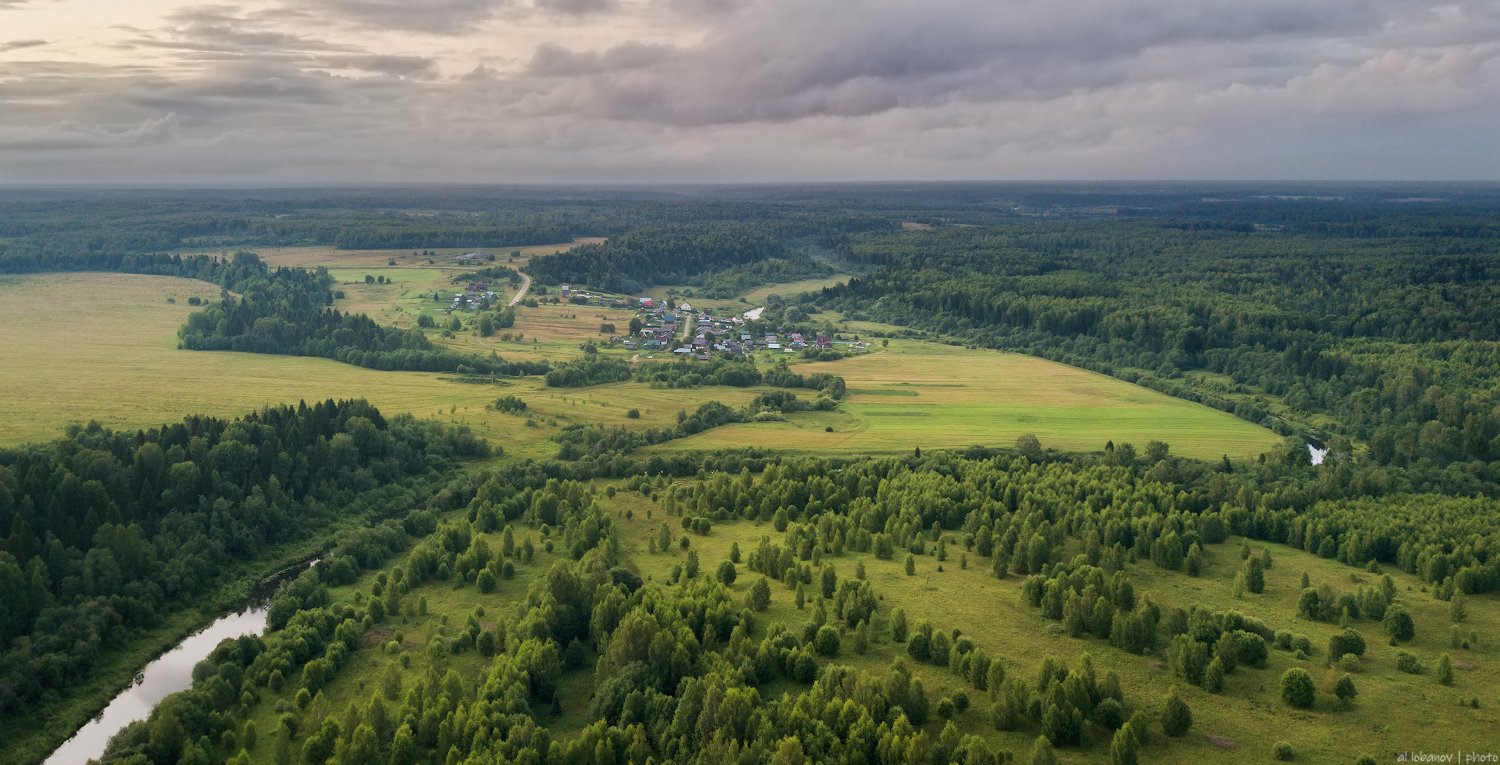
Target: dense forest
{"type": "Point", "coordinates": [106, 532]}
{"type": "Point", "coordinates": [1390, 341]}
{"type": "Point", "coordinates": [642, 257]}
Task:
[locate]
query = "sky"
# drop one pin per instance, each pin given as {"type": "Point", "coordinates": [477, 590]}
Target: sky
{"type": "Point", "coordinates": [660, 91]}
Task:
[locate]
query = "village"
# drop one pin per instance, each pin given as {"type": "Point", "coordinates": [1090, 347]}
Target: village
{"type": "Point", "coordinates": [701, 333]}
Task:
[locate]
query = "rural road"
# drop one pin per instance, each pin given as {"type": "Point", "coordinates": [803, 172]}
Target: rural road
{"type": "Point", "coordinates": [525, 285]}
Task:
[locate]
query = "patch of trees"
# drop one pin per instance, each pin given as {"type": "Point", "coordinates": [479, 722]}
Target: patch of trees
{"type": "Point", "coordinates": [591, 369]}
{"type": "Point", "coordinates": [106, 533]}
{"type": "Point", "coordinates": [735, 372]}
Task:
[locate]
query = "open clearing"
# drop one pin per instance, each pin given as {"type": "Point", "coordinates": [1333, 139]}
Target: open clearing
{"type": "Point", "coordinates": [104, 347]}
{"type": "Point", "coordinates": [921, 394]}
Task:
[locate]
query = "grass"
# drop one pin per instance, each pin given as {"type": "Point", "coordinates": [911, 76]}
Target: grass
{"type": "Point", "coordinates": [917, 393]}
{"type": "Point", "coordinates": [787, 289]}
{"type": "Point", "coordinates": [112, 356]}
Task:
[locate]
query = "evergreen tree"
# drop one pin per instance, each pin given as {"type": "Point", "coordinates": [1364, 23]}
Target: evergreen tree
{"type": "Point", "coordinates": [1122, 748]}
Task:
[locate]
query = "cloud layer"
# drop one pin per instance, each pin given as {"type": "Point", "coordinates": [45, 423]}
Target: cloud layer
{"type": "Point", "coordinates": [753, 90]}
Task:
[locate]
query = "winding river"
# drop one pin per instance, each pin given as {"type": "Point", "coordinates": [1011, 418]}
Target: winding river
{"type": "Point", "coordinates": [167, 674]}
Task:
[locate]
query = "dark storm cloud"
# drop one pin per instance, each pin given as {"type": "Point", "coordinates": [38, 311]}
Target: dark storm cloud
{"type": "Point", "coordinates": [6, 47]}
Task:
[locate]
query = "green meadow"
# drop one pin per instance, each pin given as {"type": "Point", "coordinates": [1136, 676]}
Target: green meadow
{"type": "Point", "coordinates": [921, 394]}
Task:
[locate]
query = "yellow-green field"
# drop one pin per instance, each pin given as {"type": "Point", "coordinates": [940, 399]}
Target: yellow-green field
{"type": "Point", "coordinates": [80, 347]}
{"type": "Point", "coordinates": [921, 394]}
{"type": "Point", "coordinates": [110, 354]}
{"type": "Point", "coordinates": [787, 289]}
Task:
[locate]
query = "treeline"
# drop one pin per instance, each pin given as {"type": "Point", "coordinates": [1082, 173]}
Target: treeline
{"type": "Point", "coordinates": [106, 533]}
{"type": "Point", "coordinates": [418, 233]}
{"type": "Point", "coordinates": [646, 256]}
{"type": "Point", "coordinates": [739, 373]}
{"type": "Point", "coordinates": [1383, 340]}
{"type": "Point", "coordinates": [601, 442]}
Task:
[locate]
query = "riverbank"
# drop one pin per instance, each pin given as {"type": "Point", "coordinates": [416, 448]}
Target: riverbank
{"type": "Point", "coordinates": [32, 738]}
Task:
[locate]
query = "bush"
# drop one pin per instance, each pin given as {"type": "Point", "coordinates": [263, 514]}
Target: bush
{"type": "Point", "coordinates": [633, 414]}
{"type": "Point", "coordinates": [1283, 751]}
{"type": "Point", "coordinates": [1108, 713]}
{"type": "Point", "coordinates": [1399, 624]}
{"type": "Point", "coordinates": [826, 642]}
{"type": "Point", "coordinates": [1345, 691]}
{"type": "Point", "coordinates": [1445, 669]}
{"type": "Point", "coordinates": [1407, 662]}
{"type": "Point", "coordinates": [1297, 688]}
{"type": "Point", "coordinates": [1348, 641]}
{"type": "Point", "coordinates": [1178, 718]}
{"type": "Point", "coordinates": [1349, 662]}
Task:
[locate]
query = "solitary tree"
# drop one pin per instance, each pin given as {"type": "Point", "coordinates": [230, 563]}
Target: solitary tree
{"type": "Point", "coordinates": [1122, 747]}
{"type": "Point", "coordinates": [1297, 688]}
{"type": "Point", "coordinates": [1399, 624]}
{"type": "Point", "coordinates": [1178, 718]}
{"type": "Point", "coordinates": [1345, 691]}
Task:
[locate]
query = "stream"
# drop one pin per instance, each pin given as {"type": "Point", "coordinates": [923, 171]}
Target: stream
{"type": "Point", "coordinates": [167, 674]}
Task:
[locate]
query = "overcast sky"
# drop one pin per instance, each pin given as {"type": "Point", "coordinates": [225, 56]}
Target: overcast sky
{"type": "Point", "coordinates": [520, 91]}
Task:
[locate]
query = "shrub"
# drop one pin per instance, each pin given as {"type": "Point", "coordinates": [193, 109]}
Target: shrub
{"type": "Point", "coordinates": [1349, 662]}
{"type": "Point", "coordinates": [1213, 676]}
{"type": "Point", "coordinates": [1345, 691]}
{"type": "Point", "coordinates": [1178, 718]}
{"type": "Point", "coordinates": [1297, 688]}
{"type": "Point", "coordinates": [1108, 713]}
{"type": "Point", "coordinates": [1399, 624]}
{"type": "Point", "coordinates": [1348, 641]}
{"type": "Point", "coordinates": [633, 414]}
{"type": "Point", "coordinates": [1122, 747]}
{"type": "Point", "coordinates": [1407, 662]}
{"type": "Point", "coordinates": [1445, 669]}
{"type": "Point", "coordinates": [826, 642]}
{"type": "Point", "coordinates": [1283, 751]}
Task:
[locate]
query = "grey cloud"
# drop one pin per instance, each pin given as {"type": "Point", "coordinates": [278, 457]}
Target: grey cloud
{"type": "Point", "coordinates": [576, 7]}
{"type": "Point", "coordinates": [787, 61]}
{"type": "Point", "coordinates": [75, 135]}
{"type": "Point", "coordinates": [395, 66]}
{"type": "Point", "coordinates": [6, 47]}
{"type": "Point", "coordinates": [431, 16]}
{"type": "Point", "coordinates": [777, 90]}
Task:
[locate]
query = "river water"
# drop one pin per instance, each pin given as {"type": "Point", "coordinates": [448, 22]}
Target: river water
{"type": "Point", "coordinates": [1317, 452]}
{"type": "Point", "coordinates": [167, 674]}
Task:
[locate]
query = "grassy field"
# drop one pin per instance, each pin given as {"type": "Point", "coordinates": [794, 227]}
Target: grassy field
{"type": "Point", "coordinates": [113, 357]}
{"type": "Point", "coordinates": [546, 331]}
{"type": "Point", "coordinates": [787, 289]}
{"type": "Point", "coordinates": [924, 394]}
{"type": "Point", "coordinates": [1394, 711]}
